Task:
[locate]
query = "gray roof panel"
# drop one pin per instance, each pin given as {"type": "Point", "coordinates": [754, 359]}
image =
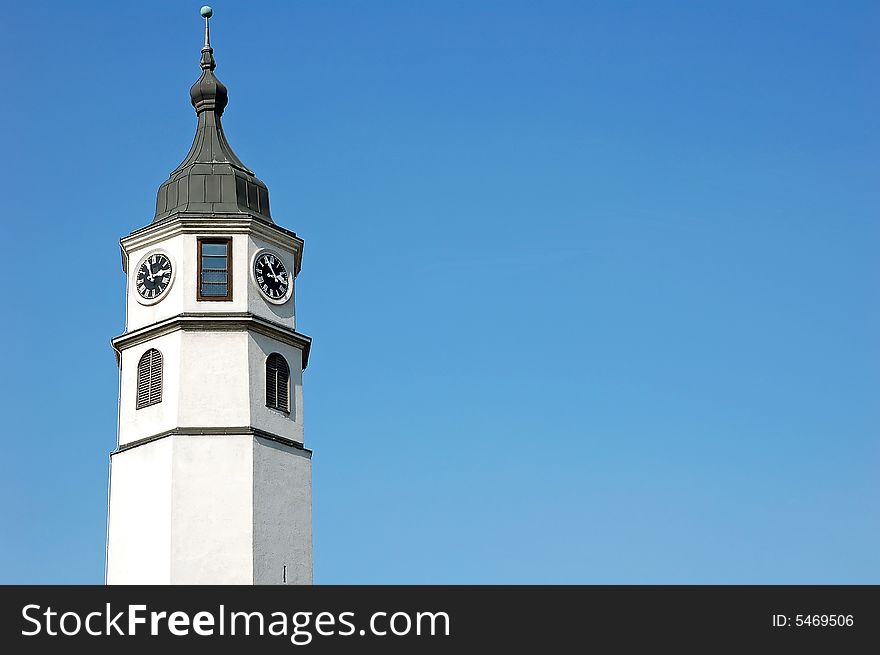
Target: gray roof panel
{"type": "Point", "coordinates": [211, 178]}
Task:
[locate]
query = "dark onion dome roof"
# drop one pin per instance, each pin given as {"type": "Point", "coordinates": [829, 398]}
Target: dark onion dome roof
{"type": "Point", "coordinates": [211, 179]}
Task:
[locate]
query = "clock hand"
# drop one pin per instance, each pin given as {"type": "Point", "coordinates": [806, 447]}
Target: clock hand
{"type": "Point", "coordinates": [280, 277]}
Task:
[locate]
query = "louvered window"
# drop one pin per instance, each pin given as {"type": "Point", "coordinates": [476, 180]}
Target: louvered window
{"type": "Point", "coordinates": [149, 381]}
{"type": "Point", "coordinates": [277, 383]}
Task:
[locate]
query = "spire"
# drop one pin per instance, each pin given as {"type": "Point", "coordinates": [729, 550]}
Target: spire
{"type": "Point", "coordinates": [211, 179]}
{"type": "Point", "coordinates": [208, 92]}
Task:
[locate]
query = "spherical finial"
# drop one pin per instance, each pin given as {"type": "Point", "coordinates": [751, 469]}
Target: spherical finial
{"type": "Point", "coordinates": [206, 11]}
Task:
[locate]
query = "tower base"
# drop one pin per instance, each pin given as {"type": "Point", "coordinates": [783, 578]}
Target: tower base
{"type": "Point", "coordinates": [196, 508]}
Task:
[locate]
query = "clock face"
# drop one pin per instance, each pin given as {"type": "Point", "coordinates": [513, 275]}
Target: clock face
{"type": "Point", "coordinates": [154, 276]}
{"type": "Point", "coordinates": [271, 276]}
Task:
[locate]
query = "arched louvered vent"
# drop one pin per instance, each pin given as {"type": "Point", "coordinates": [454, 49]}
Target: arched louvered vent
{"type": "Point", "coordinates": [149, 381]}
{"type": "Point", "coordinates": [277, 383]}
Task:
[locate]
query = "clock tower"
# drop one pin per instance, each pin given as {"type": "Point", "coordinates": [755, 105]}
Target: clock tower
{"type": "Point", "coordinates": [210, 482]}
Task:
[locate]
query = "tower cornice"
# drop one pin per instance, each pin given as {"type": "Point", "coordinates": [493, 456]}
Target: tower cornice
{"type": "Point", "coordinates": [215, 322]}
{"type": "Point", "coordinates": [215, 432]}
{"type": "Point", "coordinates": [209, 225]}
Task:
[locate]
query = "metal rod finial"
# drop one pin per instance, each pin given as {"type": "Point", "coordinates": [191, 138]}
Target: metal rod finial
{"type": "Point", "coordinates": [206, 13]}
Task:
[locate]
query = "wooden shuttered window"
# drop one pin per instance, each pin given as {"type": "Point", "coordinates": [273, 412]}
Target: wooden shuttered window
{"type": "Point", "coordinates": [277, 383]}
{"type": "Point", "coordinates": [149, 379]}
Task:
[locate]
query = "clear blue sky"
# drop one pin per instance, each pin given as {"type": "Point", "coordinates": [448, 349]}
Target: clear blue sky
{"type": "Point", "coordinates": [593, 286]}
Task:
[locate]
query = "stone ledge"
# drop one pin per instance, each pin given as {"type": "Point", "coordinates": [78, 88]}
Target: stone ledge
{"type": "Point", "coordinates": [214, 432]}
{"type": "Point", "coordinates": [215, 322]}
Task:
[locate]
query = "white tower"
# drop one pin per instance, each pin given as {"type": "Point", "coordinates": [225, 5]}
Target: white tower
{"type": "Point", "coordinates": [210, 482]}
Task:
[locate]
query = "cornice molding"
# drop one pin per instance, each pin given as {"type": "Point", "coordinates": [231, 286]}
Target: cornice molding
{"type": "Point", "coordinates": [215, 322]}
{"type": "Point", "coordinates": [212, 225]}
{"type": "Point", "coordinates": [215, 432]}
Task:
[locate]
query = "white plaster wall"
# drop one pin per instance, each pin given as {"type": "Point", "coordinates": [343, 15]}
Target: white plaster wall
{"type": "Point", "coordinates": [214, 379]}
{"type": "Point", "coordinates": [139, 533]}
{"type": "Point", "coordinates": [135, 423]}
{"type": "Point", "coordinates": [172, 304]}
{"type": "Point", "coordinates": [288, 426]}
{"type": "Point", "coordinates": [211, 512]}
{"type": "Point", "coordinates": [257, 304]}
{"type": "Point", "coordinates": [282, 513]}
